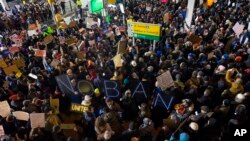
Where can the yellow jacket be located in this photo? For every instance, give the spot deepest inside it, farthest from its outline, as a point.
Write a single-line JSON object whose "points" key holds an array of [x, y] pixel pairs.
{"points": [[235, 88]]}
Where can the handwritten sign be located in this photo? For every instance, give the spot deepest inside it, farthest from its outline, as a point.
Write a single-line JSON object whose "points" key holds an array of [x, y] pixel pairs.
{"points": [[40, 53], [122, 46], [78, 108], [54, 103], [20, 115], [48, 39], [54, 63], [67, 126], [81, 55], [238, 29], [4, 108], [11, 70], [19, 63], [165, 80], [117, 60], [37, 120], [3, 64], [14, 49]]}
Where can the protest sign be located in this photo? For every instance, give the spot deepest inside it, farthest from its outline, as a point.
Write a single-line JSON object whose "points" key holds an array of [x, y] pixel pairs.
{"points": [[37, 120], [48, 39], [194, 39], [112, 89], [91, 42], [40, 53], [163, 100], [165, 80], [67, 126], [73, 24], [2, 133], [85, 87], [54, 104], [3, 64], [122, 46], [32, 32], [189, 15], [54, 63], [21, 115], [78, 108], [19, 62], [140, 90], [64, 84], [14, 49], [18, 74], [238, 29], [32, 27], [81, 55], [11, 70], [71, 41], [4, 108], [117, 60]]}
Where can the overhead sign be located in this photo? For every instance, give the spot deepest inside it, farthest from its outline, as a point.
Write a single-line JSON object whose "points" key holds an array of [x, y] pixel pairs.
{"points": [[144, 30]]}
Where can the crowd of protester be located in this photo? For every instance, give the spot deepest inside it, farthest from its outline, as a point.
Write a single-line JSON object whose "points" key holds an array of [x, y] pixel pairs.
{"points": [[211, 93]]}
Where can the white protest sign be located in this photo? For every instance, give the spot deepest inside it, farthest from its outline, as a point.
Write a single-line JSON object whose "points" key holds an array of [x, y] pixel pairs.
{"points": [[4, 108], [37, 120], [189, 16], [165, 80], [20, 115], [238, 29]]}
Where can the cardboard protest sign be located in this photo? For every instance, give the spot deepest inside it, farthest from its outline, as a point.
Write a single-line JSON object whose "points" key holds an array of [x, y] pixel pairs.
{"points": [[163, 100], [210, 55], [73, 24], [64, 84], [122, 47], [81, 55], [194, 39], [67, 126], [78, 108], [40, 53], [63, 25], [11, 70], [54, 104], [21, 115], [14, 49], [91, 42], [4, 108], [118, 60], [19, 62], [37, 120], [6, 84], [165, 80], [3, 64], [32, 27], [238, 29], [48, 39], [2, 133], [54, 63], [71, 41]]}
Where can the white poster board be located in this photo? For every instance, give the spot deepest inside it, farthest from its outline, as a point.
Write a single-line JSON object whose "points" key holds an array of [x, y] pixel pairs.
{"points": [[20, 115], [37, 120], [165, 80], [4, 108]]}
